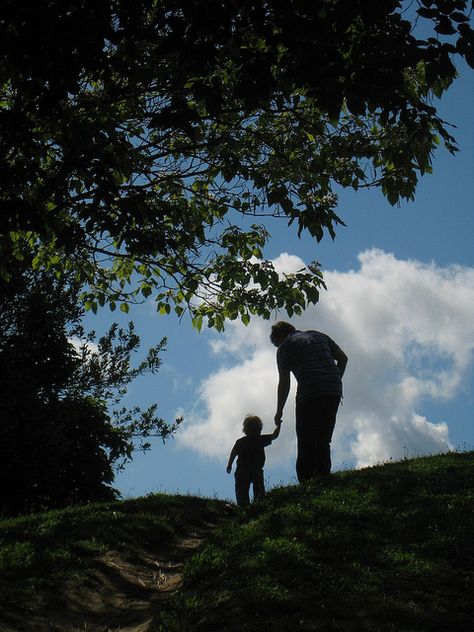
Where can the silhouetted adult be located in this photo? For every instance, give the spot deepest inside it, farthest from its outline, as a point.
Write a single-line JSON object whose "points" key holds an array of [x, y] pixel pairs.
{"points": [[318, 365]]}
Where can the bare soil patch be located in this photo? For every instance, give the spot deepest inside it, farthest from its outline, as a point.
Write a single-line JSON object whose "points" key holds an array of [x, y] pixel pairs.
{"points": [[121, 595]]}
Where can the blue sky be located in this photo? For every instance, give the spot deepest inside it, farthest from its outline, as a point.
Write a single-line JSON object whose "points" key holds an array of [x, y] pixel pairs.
{"points": [[400, 301]]}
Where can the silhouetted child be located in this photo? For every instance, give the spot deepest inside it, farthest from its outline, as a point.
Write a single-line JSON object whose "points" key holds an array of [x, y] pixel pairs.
{"points": [[250, 451]]}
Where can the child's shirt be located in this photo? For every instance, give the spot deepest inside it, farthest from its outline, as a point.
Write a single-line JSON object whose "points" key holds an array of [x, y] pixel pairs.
{"points": [[250, 451]]}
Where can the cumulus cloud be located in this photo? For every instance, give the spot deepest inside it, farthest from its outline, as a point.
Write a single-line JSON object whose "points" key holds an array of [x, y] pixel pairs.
{"points": [[79, 344], [408, 329]]}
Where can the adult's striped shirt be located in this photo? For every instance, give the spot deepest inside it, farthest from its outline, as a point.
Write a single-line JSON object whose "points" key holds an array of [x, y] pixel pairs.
{"points": [[309, 355]]}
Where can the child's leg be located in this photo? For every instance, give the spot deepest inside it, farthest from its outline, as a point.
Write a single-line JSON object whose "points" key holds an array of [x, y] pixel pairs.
{"points": [[258, 486], [242, 487]]}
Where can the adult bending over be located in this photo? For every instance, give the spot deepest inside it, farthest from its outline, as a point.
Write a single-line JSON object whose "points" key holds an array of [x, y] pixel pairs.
{"points": [[318, 365]]}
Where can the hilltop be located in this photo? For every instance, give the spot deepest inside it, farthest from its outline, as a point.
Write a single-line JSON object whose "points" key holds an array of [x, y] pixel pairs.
{"points": [[383, 548]]}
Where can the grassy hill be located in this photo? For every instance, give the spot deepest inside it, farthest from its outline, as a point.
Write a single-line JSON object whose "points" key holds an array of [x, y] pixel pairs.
{"points": [[388, 548]]}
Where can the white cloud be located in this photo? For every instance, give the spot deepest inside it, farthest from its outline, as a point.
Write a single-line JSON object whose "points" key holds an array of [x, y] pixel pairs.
{"points": [[79, 344], [408, 329]]}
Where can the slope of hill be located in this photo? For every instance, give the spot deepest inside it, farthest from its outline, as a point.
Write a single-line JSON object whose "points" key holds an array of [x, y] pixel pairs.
{"points": [[384, 548], [388, 548]]}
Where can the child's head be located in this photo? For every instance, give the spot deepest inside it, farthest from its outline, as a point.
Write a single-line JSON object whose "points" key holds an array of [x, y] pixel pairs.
{"points": [[252, 425]]}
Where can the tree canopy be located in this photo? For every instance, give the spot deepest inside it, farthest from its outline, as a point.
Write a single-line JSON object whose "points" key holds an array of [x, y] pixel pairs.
{"points": [[144, 144]]}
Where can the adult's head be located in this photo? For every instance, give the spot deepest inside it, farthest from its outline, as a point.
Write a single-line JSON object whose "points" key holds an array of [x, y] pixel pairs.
{"points": [[252, 425], [280, 332]]}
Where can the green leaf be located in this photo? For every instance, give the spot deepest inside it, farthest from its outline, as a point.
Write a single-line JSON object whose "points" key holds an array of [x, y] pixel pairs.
{"points": [[197, 322], [146, 290]]}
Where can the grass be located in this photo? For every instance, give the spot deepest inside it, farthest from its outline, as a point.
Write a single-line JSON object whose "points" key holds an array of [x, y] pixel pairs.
{"points": [[384, 548], [387, 548]]}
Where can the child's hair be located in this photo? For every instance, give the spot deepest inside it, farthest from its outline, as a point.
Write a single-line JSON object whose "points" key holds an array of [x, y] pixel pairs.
{"points": [[252, 425]]}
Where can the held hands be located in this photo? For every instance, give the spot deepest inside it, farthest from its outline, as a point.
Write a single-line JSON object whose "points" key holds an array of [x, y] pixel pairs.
{"points": [[276, 432]]}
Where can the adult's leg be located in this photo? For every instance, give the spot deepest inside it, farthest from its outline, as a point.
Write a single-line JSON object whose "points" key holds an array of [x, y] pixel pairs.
{"points": [[327, 410], [258, 486], [315, 421], [306, 440], [242, 487]]}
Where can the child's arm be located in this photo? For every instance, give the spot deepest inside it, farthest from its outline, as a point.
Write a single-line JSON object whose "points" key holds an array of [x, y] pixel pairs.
{"points": [[232, 456]]}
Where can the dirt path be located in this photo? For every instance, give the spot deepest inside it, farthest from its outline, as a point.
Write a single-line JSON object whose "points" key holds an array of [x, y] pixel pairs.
{"points": [[120, 596]]}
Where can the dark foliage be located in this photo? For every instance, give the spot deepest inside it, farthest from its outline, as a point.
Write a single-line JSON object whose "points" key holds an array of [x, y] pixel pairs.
{"points": [[140, 140], [60, 437]]}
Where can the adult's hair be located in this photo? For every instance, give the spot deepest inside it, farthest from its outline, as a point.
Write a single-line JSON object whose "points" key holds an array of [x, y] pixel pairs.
{"points": [[252, 425], [281, 330]]}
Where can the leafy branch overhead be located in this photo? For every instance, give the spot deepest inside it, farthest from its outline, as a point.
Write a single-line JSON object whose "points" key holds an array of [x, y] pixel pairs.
{"points": [[145, 144]]}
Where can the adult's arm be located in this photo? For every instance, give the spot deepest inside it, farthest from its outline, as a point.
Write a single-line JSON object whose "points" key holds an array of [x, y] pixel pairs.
{"points": [[282, 393], [276, 432], [341, 360]]}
